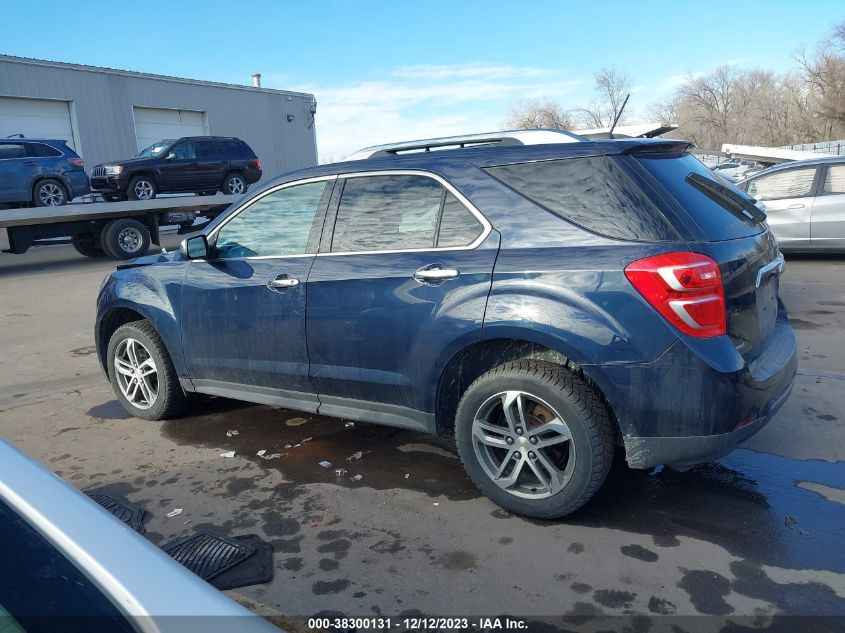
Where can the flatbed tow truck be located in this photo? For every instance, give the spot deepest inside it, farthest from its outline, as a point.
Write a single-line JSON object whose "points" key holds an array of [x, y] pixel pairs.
{"points": [[121, 230]]}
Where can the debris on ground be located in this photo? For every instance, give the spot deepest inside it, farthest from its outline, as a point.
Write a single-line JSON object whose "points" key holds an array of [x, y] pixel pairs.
{"points": [[357, 477], [341, 472], [186, 522], [407, 475], [307, 439], [263, 454], [355, 456], [296, 422], [175, 512], [325, 464], [349, 425], [232, 432], [435, 504], [228, 454]]}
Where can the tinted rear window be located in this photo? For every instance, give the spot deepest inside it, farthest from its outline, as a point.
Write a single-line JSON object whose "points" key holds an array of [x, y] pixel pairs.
{"points": [[717, 221], [591, 192], [42, 150]]}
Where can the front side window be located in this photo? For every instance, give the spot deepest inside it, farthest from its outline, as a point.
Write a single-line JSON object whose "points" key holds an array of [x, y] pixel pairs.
{"points": [[834, 182], [789, 183], [155, 149], [12, 150], [277, 224], [182, 151]]}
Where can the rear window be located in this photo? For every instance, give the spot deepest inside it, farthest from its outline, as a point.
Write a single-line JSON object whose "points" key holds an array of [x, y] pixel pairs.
{"points": [[717, 218], [12, 150], [591, 192]]}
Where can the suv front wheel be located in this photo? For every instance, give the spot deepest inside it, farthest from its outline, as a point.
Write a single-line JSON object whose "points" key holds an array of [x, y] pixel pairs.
{"points": [[535, 438], [142, 374], [142, 188]]}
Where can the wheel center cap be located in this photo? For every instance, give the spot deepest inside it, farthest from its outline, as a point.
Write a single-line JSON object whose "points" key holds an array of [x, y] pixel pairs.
{"points": [[522, 442]]}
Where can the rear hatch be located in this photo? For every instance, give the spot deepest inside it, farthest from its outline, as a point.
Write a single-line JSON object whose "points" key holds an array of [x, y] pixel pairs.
{"points": [[727, 226]]}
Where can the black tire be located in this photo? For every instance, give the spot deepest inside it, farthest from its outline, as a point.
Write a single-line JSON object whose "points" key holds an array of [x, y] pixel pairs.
{"points": [[125, 238], [87, 244], [206, 193], [113, 197], [49, 193], [142, 187], [234, 184], [170, 400], [571, 398]]}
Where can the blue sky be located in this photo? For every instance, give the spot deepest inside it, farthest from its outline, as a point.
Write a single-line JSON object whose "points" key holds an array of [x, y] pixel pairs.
{"points": [[385, 71]]}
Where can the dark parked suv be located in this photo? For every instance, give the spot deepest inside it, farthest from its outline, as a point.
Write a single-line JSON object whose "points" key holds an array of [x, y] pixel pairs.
{"points": [[200, 164], [544, 298], [41, 172]]}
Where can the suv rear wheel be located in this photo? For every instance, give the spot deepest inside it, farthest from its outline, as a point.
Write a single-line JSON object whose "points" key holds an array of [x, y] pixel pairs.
{"points": [[87, 244], [142, 188], [49, 193], [535, 438], [234, 184], [142, 374]]}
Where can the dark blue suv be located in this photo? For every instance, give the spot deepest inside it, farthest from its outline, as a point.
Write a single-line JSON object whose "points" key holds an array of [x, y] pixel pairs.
{"points": [[41, 172], [544, 298]]}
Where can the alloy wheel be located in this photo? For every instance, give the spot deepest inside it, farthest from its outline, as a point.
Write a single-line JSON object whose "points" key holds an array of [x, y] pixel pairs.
{"points": [[136, 373], [237, 185], [51, 195], [524, 446], [143, 190]]}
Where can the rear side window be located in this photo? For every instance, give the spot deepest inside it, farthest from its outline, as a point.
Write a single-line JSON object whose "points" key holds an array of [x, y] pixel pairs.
{"points": [[591, 192], [717, 217], [400, 213], [834, 182], [236, 150], [788, 183], [12, 150], [42, 150]]}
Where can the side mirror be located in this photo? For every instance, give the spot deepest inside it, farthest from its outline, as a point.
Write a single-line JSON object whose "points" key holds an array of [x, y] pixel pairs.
{"points": [[170, 156], [195, 247]]}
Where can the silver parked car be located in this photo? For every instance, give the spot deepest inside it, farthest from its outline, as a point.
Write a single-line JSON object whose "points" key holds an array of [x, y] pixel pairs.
{"points": [[805, 202]]}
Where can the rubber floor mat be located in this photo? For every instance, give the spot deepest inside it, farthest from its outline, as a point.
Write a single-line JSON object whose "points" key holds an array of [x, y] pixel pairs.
{"points": [[208, 555], [129, 513], [255, 570]]}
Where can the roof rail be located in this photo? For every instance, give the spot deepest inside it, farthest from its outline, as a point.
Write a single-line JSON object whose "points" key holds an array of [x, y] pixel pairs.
{"points": [[507, 137]]}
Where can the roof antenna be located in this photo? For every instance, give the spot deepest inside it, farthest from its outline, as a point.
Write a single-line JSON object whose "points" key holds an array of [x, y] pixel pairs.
{"points": [[618, 115]]}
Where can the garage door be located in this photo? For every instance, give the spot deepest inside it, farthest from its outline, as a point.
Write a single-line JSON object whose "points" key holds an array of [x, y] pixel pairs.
{"points": [[155, 124], [36, 118]]}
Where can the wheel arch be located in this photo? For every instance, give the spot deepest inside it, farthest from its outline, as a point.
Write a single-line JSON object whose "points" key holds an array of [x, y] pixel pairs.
{"points": [[465, 366], [41, 178]]}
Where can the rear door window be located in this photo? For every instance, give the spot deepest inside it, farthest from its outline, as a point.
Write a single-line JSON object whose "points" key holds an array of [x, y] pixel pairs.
{"points": [[787, 183], [591, 192], [721, 211], [206, 150], [458, 226]]}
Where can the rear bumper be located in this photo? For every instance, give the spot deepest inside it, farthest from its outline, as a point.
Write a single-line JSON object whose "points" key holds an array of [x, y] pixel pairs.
{"points": [[683, 452], [77, 183], [696, 403], [252, 176]]}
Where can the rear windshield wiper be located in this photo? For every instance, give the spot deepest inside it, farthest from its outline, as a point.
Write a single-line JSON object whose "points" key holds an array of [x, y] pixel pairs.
{"points": [[725, 197]]}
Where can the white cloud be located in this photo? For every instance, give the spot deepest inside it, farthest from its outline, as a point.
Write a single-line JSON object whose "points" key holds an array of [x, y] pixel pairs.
{"points": [[426, 101]]}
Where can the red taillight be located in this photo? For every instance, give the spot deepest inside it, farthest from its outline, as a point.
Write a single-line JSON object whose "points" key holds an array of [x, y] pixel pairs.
{"points": [[76, 161], [256, 163], [686, 288]]}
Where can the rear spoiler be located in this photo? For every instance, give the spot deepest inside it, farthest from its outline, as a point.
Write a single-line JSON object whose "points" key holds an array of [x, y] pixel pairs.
{"points": [[661, 149]]}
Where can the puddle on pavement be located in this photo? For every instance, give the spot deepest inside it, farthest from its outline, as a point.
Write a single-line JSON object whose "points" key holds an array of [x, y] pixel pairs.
{"points": [[750, 503], [388, 454]]}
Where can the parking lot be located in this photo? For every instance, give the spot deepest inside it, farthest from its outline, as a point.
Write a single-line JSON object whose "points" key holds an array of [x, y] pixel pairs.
{"points": [[756, 534]]}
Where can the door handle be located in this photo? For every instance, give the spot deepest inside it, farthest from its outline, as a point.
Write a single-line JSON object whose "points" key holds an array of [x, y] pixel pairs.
{"points": [[795, 206], [29, 163], [282, 281], [435, 272]]}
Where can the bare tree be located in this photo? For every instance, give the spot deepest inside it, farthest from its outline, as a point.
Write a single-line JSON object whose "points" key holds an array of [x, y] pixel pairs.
{"points": [[824, 74], [611, 87], [537, 113]]}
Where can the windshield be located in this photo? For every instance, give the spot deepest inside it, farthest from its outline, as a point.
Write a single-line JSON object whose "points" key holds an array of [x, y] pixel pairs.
{"points": [[155, 149]]}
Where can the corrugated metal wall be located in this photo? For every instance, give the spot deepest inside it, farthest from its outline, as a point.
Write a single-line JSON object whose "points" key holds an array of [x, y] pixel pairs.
{"points": [[101, 105]]}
